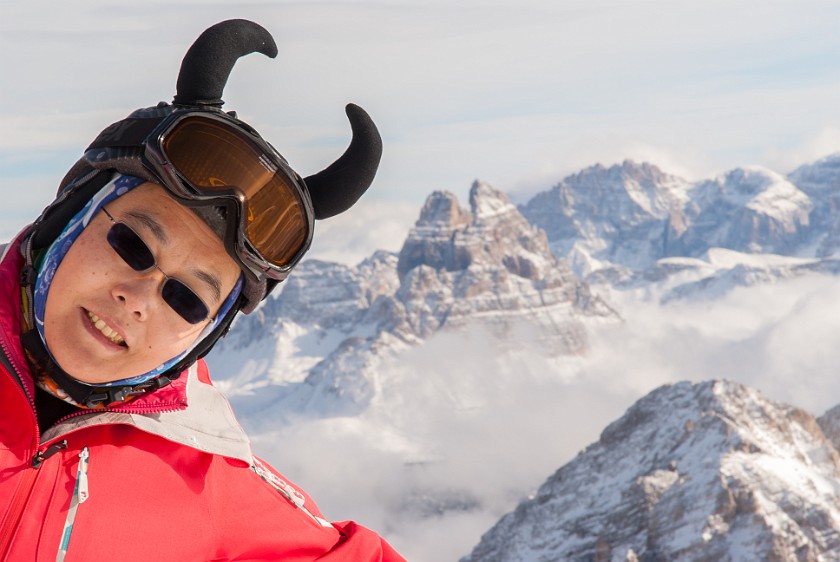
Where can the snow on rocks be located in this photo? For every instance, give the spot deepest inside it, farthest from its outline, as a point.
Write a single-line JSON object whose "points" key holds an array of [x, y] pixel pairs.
{"points": [[709, 471]]}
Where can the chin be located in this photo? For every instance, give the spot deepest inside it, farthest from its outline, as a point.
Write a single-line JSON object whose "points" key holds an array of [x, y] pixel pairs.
{"points": [[90, 374]]}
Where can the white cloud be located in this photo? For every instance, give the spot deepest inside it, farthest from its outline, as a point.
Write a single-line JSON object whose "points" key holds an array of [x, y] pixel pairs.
{"points": [[823, 142], [460, 422], [458, 425]]}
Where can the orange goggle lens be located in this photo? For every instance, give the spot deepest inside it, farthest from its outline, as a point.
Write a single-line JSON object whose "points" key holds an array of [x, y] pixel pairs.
{"points": [[211, 156]]}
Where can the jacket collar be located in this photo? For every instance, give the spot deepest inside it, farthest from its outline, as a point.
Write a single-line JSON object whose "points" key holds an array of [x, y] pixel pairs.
{"points": [[208, 425]]}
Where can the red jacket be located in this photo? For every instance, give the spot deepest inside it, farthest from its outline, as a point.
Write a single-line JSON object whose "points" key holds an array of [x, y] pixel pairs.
{"points": [[169, 476]]}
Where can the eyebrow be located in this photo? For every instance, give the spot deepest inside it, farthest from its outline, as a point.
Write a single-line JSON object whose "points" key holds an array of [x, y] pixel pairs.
{"points": [[150, 223], [211, 280], [153, 226]]}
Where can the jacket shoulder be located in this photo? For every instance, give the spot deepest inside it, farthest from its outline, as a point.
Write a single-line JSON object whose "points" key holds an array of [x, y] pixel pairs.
{"points": [[284, 521]]}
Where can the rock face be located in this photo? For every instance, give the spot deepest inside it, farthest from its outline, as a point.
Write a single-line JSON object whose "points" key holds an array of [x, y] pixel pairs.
{"points": [[821, 182], [485, 265], [617, 215], [634, 214], [750, 210], [710, 471], [457, 266], [625, 225]]}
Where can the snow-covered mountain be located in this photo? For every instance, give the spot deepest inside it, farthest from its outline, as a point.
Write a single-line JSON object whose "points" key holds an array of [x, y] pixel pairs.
{"points": [[821, 182], [615, 215], [710, 471], [315, 348], [751, 210], [634, 226]]}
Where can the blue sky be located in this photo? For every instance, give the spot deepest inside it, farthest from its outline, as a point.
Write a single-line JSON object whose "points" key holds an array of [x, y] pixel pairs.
{"points": [[518, 94]]}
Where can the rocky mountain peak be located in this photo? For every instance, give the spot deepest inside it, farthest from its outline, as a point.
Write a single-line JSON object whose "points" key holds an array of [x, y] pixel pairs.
{"points": [[751, 210], [489, 204], [820, 178], [709, 471], [450, 239], [441, 210], [642, 171], [629, 216], [497, 263], [749, 185], [618, 175]]}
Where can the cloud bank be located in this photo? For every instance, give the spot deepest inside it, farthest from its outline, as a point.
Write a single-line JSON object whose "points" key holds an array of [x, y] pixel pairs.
{"points": [[464, 430]]}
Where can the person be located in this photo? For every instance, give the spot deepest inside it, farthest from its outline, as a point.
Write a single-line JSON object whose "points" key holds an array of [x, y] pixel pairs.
{"points": [[115, 443]]}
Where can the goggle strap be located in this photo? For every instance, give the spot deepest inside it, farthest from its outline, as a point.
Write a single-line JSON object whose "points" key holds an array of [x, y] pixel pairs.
{"points": [[130, 132]]}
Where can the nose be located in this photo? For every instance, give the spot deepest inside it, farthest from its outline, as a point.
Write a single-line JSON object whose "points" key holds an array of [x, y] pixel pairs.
{"points": [[140, 294]]}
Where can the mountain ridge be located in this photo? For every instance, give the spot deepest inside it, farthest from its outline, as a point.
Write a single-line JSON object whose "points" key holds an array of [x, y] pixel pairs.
{"points": [[484, 265], [707, 471]]}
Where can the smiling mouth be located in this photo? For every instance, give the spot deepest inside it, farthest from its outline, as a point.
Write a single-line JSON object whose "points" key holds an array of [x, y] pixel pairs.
{"points": [[105, 330]]}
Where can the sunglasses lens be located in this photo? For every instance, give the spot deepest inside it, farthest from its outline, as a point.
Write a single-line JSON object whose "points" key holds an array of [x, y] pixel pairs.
{"points": [[130, 247], [184, 301], [212, 156]]}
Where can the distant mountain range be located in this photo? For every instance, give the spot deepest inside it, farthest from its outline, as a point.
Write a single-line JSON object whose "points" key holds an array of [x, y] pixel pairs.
{"points": [[634, 214], [633, 225], [315, 347]]}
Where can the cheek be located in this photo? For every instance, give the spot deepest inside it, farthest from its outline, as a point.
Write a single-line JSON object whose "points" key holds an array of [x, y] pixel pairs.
{"points": [[169, 342], [71, 279], [85, 264]]}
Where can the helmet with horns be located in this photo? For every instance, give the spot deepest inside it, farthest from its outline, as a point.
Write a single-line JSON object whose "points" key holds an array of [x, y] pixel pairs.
{"points": [[205, 69], [137, 146]]}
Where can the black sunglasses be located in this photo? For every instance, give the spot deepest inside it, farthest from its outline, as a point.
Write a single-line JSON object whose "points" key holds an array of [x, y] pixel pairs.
{"points": [[131, 248]]}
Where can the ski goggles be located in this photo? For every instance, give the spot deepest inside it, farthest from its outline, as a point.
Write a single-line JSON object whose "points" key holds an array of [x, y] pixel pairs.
{"points": [[207, 157], [136, 253]]}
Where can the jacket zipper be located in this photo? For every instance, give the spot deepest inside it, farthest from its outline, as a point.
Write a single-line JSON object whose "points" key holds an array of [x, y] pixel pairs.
{"points": [[41, 456], [286, 490], [135, 410]]}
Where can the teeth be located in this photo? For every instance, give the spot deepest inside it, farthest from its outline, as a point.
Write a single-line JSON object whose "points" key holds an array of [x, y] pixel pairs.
{"points": [[105, 329]]}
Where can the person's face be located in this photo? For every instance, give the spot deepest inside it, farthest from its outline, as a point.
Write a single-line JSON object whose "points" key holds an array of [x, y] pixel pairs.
{"points": [[94, 284]]}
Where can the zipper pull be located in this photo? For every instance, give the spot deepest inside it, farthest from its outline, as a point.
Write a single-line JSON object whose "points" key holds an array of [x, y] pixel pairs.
{"points": [[41, 456], [83, 493], [80, 494]]}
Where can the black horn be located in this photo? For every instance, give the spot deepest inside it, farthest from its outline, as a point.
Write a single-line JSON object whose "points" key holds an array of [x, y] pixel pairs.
{"points": [[336, 188], [208, 63]]}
